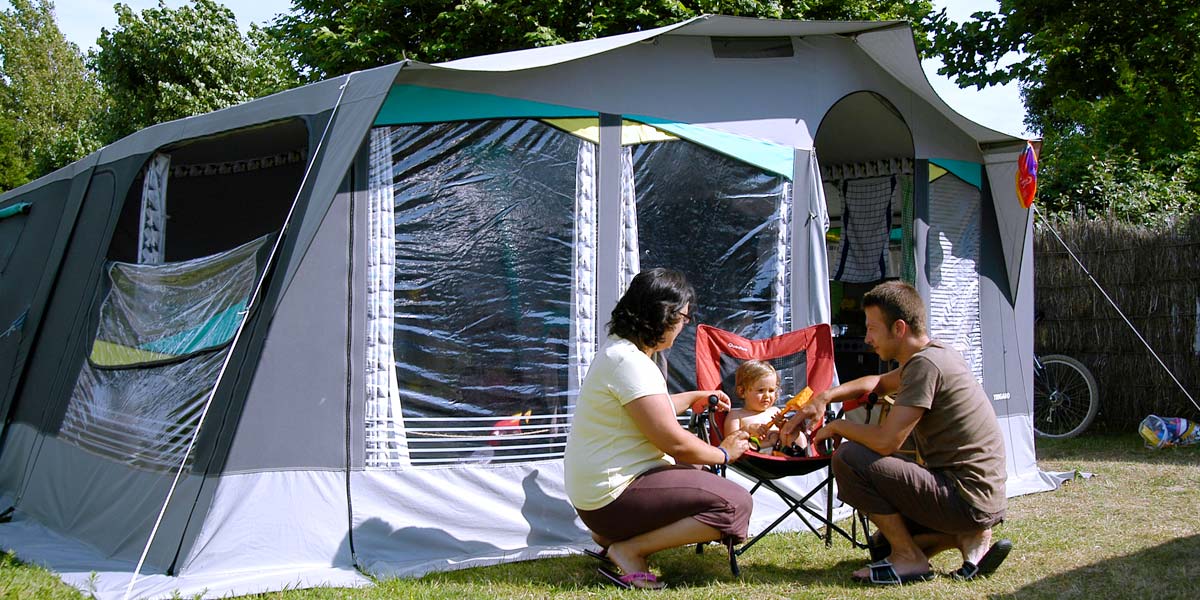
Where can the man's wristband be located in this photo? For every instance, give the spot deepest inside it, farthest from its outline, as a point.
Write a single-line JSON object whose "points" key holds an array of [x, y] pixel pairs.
{"points": [[725, 453]]}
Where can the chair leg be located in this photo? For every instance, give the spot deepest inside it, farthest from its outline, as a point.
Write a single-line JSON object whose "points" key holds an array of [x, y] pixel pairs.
{"points": [[700, 548], [733, 564]]}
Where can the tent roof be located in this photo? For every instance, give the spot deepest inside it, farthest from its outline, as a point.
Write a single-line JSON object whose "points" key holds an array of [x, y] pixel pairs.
{"points": [[888, 43]]}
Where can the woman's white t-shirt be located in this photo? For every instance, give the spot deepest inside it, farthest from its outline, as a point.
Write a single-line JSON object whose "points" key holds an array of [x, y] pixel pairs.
{"points": [[605, 450]]}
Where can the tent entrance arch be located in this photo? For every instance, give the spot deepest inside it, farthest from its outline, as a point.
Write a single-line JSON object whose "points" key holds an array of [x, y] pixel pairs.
{"points": [[867, 155]]}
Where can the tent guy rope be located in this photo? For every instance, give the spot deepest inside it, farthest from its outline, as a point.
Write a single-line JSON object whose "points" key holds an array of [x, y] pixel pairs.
{"points": [[1050, 227]]}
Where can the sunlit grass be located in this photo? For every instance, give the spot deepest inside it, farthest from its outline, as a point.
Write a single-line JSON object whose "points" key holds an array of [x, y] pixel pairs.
{"points": [[1131, 530]]}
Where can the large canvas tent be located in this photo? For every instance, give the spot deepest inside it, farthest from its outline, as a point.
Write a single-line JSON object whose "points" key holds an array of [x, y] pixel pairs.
{"points": [[338, 330]]}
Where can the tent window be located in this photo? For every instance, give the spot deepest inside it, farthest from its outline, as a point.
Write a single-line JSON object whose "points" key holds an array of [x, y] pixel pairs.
{"points": [[162, 337], [484, 227], [725, 224], [952, 256]]}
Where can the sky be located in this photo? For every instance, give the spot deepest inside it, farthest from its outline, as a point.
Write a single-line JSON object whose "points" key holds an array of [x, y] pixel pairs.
{"points": [[998, 107]]}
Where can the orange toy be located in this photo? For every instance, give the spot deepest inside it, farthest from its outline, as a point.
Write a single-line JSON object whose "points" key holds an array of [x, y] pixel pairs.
{"points": [[794, 404]]}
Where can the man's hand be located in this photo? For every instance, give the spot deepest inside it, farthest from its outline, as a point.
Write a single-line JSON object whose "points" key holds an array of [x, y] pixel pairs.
{"points": [[811, 411], [825, 433]]}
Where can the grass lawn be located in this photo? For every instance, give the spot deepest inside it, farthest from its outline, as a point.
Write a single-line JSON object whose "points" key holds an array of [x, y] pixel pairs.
{"points": [[1131, 531]]}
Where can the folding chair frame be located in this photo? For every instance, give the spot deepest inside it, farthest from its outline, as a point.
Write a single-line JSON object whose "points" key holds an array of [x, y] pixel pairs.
{"points": [[817, 343]]}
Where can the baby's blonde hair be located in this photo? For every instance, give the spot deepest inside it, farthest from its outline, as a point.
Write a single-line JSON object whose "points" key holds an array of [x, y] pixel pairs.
{"points": [[751, 371]]}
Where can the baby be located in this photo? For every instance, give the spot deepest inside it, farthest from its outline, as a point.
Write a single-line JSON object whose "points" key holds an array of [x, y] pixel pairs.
{"points": [[757, 385]]}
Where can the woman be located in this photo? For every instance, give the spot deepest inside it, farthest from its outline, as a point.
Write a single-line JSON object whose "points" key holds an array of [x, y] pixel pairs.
{"points": [[621, 459]]}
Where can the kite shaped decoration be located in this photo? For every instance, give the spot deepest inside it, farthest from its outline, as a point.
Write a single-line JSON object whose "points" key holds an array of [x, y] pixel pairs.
{"points": [[1027, 176]]}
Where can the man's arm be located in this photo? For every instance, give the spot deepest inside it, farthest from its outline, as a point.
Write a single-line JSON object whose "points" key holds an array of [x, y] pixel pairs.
{"points": [[884, 438], [815, 408]]}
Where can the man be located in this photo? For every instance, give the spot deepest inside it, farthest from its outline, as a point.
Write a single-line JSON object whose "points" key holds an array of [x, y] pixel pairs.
{"points": [[954, 493]]}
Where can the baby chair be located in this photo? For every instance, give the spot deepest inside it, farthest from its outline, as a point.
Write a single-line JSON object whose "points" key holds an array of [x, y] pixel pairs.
{"points": [[802, 358]]}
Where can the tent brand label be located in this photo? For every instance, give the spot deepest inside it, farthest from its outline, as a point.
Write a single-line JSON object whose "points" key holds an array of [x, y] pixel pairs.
{"points": [[1001, 396], [737, 347]]}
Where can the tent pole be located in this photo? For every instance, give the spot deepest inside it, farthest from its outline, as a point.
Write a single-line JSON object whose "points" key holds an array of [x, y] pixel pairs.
{"points": [[250, 306]]}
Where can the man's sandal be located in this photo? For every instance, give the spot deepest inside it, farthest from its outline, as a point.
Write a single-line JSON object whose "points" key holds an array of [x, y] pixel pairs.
{"points": [[883, 573], [991, 561]]}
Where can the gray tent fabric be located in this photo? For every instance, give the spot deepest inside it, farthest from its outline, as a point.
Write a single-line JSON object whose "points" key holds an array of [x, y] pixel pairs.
{"points": [[508, 160]]}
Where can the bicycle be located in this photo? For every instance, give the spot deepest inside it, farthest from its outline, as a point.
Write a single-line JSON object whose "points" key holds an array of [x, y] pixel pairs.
{"points": [[1065, 397]]}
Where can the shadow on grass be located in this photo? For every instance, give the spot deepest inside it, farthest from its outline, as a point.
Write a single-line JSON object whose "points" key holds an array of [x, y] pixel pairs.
{"points": [[1163, 571], [1114, 447]]}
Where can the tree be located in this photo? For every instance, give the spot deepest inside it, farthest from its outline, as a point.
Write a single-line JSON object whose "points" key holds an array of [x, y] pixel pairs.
{"points": [[48, 99], [1113, 86], [328, 37], [163, 64]]}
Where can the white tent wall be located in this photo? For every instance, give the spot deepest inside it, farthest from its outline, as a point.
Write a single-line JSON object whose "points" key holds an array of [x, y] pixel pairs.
{"points": [[773, 98]]}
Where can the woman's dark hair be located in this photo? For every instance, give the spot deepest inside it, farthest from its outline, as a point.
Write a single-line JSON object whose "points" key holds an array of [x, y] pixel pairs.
{"points": [[651, 306]]}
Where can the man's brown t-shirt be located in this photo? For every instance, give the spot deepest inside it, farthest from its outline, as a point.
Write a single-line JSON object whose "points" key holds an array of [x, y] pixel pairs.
{"points": [[958, 435]]}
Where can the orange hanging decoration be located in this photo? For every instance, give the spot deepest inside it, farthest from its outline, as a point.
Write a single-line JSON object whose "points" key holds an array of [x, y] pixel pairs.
{"points": [[1027, 165]]}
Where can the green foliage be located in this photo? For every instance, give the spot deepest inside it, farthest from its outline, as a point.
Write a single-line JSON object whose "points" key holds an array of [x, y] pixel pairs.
{"points": [[1112, 85], [47, 96], [328, 37], [163, 64]]}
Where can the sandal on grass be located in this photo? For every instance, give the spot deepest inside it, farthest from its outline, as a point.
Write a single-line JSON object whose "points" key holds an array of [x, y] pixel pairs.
{"points": [[601, 555], [633, 581], [883, 573], [991, 561]]}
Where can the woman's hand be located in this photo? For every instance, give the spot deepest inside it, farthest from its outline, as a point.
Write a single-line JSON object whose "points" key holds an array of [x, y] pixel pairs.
{"points": [[736, 444], [723, 403], [699, 401]]}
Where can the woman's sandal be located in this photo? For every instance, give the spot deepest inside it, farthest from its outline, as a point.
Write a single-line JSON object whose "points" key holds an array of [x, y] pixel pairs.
{"points": [[601, 556], [633, 581]]}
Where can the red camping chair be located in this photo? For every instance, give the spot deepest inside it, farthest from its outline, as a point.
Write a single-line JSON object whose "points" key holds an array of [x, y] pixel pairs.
{"points": [[802, 358]]}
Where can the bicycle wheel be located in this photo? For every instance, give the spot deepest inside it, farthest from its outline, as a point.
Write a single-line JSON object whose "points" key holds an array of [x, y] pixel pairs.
{"points": [[1065, 397]]}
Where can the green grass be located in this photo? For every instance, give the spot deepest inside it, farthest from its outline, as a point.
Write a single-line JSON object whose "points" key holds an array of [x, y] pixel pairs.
{"points": [[1132, 530]]}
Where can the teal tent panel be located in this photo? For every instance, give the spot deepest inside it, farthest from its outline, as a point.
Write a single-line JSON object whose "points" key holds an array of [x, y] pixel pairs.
{"points": [[19, 208], [774, 158], [969, 172], [406, 104], [216, 331]]}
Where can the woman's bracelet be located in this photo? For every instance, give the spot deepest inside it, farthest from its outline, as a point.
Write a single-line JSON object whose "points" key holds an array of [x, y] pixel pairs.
{"points": [[725, 453]]}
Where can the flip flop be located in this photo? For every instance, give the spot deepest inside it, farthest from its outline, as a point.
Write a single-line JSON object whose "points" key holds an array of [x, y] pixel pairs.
{"points": [[601, 556], [633, 581], [883, 573], [992, 559]]}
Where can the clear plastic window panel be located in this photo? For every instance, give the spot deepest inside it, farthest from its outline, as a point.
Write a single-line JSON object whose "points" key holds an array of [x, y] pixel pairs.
{"points": [[484, 227], [162, 337], [723, 223]]}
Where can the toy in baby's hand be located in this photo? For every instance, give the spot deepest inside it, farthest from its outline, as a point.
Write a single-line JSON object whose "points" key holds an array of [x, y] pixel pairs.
{"points": [[792, 405]]}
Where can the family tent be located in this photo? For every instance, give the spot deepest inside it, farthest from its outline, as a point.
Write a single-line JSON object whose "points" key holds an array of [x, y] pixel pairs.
{"points": [[338, 331]]}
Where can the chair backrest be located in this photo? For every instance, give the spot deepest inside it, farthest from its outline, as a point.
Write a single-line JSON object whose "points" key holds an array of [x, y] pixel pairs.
{"points": [[803, 358]]}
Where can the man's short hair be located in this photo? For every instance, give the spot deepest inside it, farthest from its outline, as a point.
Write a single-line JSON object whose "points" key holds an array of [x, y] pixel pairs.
{"points": [[898, 300]]}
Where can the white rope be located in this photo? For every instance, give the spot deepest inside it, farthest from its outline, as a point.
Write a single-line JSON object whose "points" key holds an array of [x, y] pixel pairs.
{"points": [[1046, 222], [233, 344]]}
